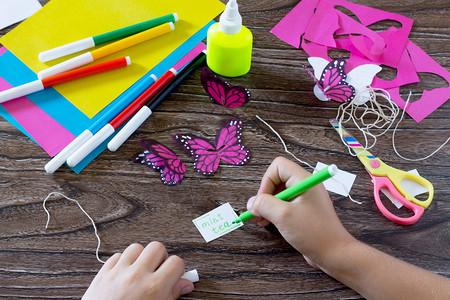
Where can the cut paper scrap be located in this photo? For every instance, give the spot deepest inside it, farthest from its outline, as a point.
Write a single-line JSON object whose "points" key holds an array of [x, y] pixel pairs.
{"points": [[412, 187], [217, 222], [341, 183], [317, 21], [55, 105], [430, 100], [65, 21], [221, 92], [13, 11], [227, 147], [160, 158]]}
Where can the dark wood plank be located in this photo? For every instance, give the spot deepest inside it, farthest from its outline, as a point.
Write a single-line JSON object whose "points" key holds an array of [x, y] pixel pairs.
{"points": [[129, 205]]}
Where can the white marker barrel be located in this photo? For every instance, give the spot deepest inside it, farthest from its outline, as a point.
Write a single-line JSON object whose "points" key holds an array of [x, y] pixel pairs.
{"points": [[67, 65], [66, 49], [90, 145], [132, 125], [61, 157], [21, 90], [191, 275]]}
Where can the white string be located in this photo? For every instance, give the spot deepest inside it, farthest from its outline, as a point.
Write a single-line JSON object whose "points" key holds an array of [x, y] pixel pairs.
{"points": [[393, 139], [385, 115], [79, 205], [304, 162]]}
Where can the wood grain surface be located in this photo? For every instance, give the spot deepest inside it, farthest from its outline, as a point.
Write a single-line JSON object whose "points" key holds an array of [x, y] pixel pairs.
{"points": [[129, 204]]}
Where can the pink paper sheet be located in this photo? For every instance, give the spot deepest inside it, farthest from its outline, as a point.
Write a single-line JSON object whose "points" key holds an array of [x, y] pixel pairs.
{"points": [[321, 25], [430, 100], [35, 121]]}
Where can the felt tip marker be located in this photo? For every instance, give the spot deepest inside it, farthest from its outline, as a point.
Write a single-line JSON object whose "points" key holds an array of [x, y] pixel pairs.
{"points": [[39, 85], [94, 41], [122, 102], [145, 112], [109, 129], [117, 46], [297, 189]]}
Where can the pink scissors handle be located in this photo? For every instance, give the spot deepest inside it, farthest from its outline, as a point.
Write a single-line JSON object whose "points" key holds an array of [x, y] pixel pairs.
{"points": [[384, 182]]}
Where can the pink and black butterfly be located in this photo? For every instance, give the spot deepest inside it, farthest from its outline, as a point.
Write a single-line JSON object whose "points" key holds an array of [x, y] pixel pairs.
{"points": [[221, 92], [160, 158], [227, 147], [332, 83]]}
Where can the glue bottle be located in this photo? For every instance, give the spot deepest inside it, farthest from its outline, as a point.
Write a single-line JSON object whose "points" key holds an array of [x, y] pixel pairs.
{"points": [[229, 44]]}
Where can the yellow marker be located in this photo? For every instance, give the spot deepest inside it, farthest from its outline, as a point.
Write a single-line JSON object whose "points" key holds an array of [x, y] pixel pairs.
{"points": [[122, 44]]}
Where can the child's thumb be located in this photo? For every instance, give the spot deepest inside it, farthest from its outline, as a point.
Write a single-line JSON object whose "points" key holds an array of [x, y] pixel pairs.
{"points": [[182, 287], [268, 207]]}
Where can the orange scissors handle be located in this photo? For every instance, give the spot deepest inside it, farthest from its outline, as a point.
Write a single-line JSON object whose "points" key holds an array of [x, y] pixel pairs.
{"points": [[378, 168]]}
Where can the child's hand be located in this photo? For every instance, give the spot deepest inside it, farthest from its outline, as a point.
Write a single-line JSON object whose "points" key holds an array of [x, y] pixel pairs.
{"points": [[309, 222], [140, 273]]}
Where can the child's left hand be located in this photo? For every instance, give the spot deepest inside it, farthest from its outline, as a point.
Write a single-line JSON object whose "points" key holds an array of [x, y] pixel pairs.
{"points": [[140, 273]]}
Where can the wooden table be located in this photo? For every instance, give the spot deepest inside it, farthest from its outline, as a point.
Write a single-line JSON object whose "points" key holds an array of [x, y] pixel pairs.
{"points": [[129, 204]]}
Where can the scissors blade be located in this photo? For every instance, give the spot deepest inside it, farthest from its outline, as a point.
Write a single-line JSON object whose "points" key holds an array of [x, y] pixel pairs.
{"points": [[349, 139]]}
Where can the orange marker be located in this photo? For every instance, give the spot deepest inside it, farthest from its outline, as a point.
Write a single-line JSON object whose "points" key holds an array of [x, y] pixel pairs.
{"points": [[39, 85]]}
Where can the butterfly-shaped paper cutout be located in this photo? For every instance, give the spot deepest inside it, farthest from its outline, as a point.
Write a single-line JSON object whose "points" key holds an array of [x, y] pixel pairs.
{"points": [[358, 78], [160, 158], [227, 147], [331, 84], [221, 92]]}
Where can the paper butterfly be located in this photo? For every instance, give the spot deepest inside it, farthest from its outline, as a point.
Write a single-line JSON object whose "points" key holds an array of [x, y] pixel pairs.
{"points": [[358, 78], [160, 158], [221, 92], [331, 83], [227, 147]]}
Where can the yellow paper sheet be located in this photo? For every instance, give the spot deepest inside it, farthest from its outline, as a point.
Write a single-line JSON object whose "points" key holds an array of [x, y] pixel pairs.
{"points": [[63, 21]]}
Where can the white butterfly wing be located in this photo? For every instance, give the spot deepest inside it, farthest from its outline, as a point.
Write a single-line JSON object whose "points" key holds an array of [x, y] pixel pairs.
{"points": [[318, 65], [361, 77]]}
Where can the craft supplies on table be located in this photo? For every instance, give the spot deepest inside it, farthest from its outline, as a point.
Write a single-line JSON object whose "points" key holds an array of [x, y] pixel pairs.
{"points": [[384, 176]]}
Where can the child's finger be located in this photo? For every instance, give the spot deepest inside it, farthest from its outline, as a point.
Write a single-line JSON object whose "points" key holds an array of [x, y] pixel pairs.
{"points": [[182, 287], [268, 207], [171, 270], [130, 255], [152, 256], [111, 262]]}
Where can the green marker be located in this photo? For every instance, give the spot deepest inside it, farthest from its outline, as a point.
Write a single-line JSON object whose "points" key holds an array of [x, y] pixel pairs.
{"points": [[297, 189], [104, 38]]}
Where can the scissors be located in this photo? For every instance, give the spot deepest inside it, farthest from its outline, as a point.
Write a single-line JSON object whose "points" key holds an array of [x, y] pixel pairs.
{"points": [[384, 176]]}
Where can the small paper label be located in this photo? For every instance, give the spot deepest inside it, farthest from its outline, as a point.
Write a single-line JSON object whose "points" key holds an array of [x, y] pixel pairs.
{"points": [[341, 183], [217, 222]]}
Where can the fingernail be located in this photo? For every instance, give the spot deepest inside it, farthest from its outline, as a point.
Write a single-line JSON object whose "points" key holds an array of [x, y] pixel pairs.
{"points": [[187, 289], [250, 202]]}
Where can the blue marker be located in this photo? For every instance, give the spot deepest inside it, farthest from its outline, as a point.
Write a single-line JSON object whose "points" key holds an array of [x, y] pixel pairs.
{"points": [[127, 98]]}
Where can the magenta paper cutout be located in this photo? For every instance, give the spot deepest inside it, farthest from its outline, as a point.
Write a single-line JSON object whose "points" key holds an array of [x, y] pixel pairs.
{"points": [[189, 56], [332, 84], [159, 158], [430, 100], [3, 50], [36, 122], [221, 92], [227, 147], [321, 25]]}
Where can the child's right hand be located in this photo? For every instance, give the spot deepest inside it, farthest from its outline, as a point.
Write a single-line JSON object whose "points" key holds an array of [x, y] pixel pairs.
{"points": [[308, 222]]}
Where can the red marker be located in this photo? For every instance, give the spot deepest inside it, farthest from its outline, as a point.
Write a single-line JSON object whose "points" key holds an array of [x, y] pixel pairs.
{"points": [[115, 123], [39, 85]]}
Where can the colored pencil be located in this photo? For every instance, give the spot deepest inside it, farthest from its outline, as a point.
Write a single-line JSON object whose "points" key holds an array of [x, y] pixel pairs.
{"points": [[123, 101], [117, 46], [115, 123], [39, 85], [97, 40], [148, 108]]}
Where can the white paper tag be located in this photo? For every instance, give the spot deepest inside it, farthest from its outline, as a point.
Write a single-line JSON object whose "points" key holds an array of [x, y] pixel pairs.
{"points": [[341, 183], [217, 222]]}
